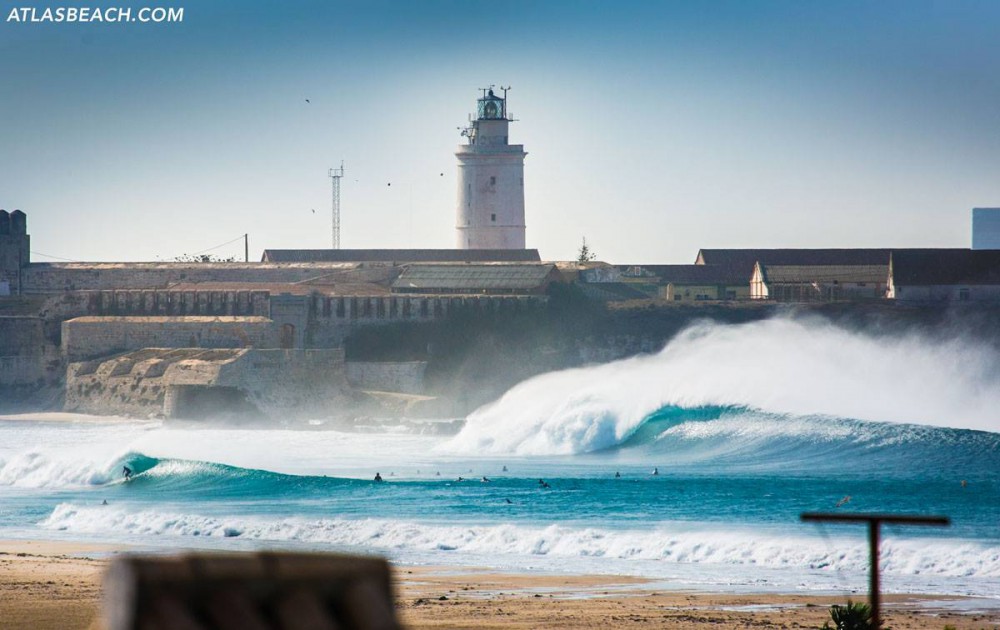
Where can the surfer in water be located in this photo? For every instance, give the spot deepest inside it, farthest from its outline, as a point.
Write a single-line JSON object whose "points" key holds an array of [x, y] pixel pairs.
{"points": [[656, 470], [378, 478], [127, 472]]}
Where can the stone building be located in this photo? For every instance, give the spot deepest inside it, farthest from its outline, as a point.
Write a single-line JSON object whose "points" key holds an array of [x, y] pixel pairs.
{"points": [[685, 283], [818, 283], [507, 279], [15, 250]]}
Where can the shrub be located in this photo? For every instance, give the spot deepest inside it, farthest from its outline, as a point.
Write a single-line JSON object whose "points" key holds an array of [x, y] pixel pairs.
{"points": [[853, 616]]}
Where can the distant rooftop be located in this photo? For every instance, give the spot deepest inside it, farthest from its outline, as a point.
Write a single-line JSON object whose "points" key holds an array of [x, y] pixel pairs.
{"points": [[294, 288], [698, 274], [613, 291], [166, 319], [825, 273], [746, 258], [401, 255], [462, 278], [945, 266]]}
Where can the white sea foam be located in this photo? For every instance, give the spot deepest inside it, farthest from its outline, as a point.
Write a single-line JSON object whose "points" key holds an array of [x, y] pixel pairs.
{"points": [[779, 366], [667, 543], [34, 469]]}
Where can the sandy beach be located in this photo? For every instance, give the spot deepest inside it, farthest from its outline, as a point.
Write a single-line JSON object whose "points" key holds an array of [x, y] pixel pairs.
{"points": [[50, 585]]}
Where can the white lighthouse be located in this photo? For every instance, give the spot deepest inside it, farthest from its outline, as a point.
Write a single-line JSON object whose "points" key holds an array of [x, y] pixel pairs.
{"points": [[490, 180]]}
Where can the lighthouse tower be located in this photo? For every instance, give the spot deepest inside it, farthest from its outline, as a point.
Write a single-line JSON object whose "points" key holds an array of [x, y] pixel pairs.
{"points": [[490, 180]]}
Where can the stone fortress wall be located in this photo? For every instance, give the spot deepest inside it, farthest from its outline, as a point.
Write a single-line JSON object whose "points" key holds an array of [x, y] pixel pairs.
{"points": [[192, 383], [330, 320], [15, 250], [406, 377], [22, 350], [86, 338], [90, 320], [41, 278]]}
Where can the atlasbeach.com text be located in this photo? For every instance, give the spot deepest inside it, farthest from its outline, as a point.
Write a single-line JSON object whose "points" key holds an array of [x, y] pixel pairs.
{"points": [[96, 14]]}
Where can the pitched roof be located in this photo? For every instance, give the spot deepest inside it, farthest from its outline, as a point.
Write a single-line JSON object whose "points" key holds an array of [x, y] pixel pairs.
{"points": [[746, 258], [463, 277], [789, 274], [945, 266], [170, 319], [698, 274], [295, 288], [400, 255], [613, 291]]}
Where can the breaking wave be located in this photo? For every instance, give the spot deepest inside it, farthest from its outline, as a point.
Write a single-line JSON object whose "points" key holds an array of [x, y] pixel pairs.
{"points": [[778, 368], [37, 469], [34, 469]]}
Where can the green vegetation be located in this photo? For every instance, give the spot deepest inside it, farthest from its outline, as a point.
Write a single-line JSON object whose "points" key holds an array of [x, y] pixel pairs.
{"points": [[853, 616], [585, 255]]}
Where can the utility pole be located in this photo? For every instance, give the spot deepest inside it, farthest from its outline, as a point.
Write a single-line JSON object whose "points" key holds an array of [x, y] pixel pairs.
{"points": [[246, 248], [335, 175], [874, 523]]}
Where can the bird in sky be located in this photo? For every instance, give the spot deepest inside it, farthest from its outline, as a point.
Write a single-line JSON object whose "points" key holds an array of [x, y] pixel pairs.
{"points": [[313, 210], [308, 101]]}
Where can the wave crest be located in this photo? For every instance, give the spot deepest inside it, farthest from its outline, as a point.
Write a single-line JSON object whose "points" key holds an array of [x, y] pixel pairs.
{"points": [[779, 366]]}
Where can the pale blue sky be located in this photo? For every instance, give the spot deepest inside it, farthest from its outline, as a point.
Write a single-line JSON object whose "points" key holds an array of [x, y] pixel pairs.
{"points": [[653, 128]]}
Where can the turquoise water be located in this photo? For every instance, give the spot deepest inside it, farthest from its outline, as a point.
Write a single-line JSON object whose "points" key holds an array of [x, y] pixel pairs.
{"points": [[734, 475]]}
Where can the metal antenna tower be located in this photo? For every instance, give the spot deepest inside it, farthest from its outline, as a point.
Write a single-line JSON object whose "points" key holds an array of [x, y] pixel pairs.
{"points": [[335, 176]]}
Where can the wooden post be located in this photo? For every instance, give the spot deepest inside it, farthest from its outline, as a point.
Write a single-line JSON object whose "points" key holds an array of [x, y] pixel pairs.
{"points": [[874, 523]]}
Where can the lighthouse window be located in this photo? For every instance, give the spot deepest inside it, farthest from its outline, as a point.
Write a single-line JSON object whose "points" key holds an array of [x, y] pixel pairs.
{"points": [[493, 180], [493, 218]]}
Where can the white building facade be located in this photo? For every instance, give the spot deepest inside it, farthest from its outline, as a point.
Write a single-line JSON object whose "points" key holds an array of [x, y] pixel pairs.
{"points": [[490, 181]]}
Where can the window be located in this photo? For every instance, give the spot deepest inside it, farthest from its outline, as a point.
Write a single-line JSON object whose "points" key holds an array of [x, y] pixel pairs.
{"points": [[963, 295], [493, 218], [493, 180]]}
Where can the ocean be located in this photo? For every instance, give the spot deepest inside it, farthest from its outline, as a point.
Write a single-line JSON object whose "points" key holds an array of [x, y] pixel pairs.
{"points": [[747, 427]]}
